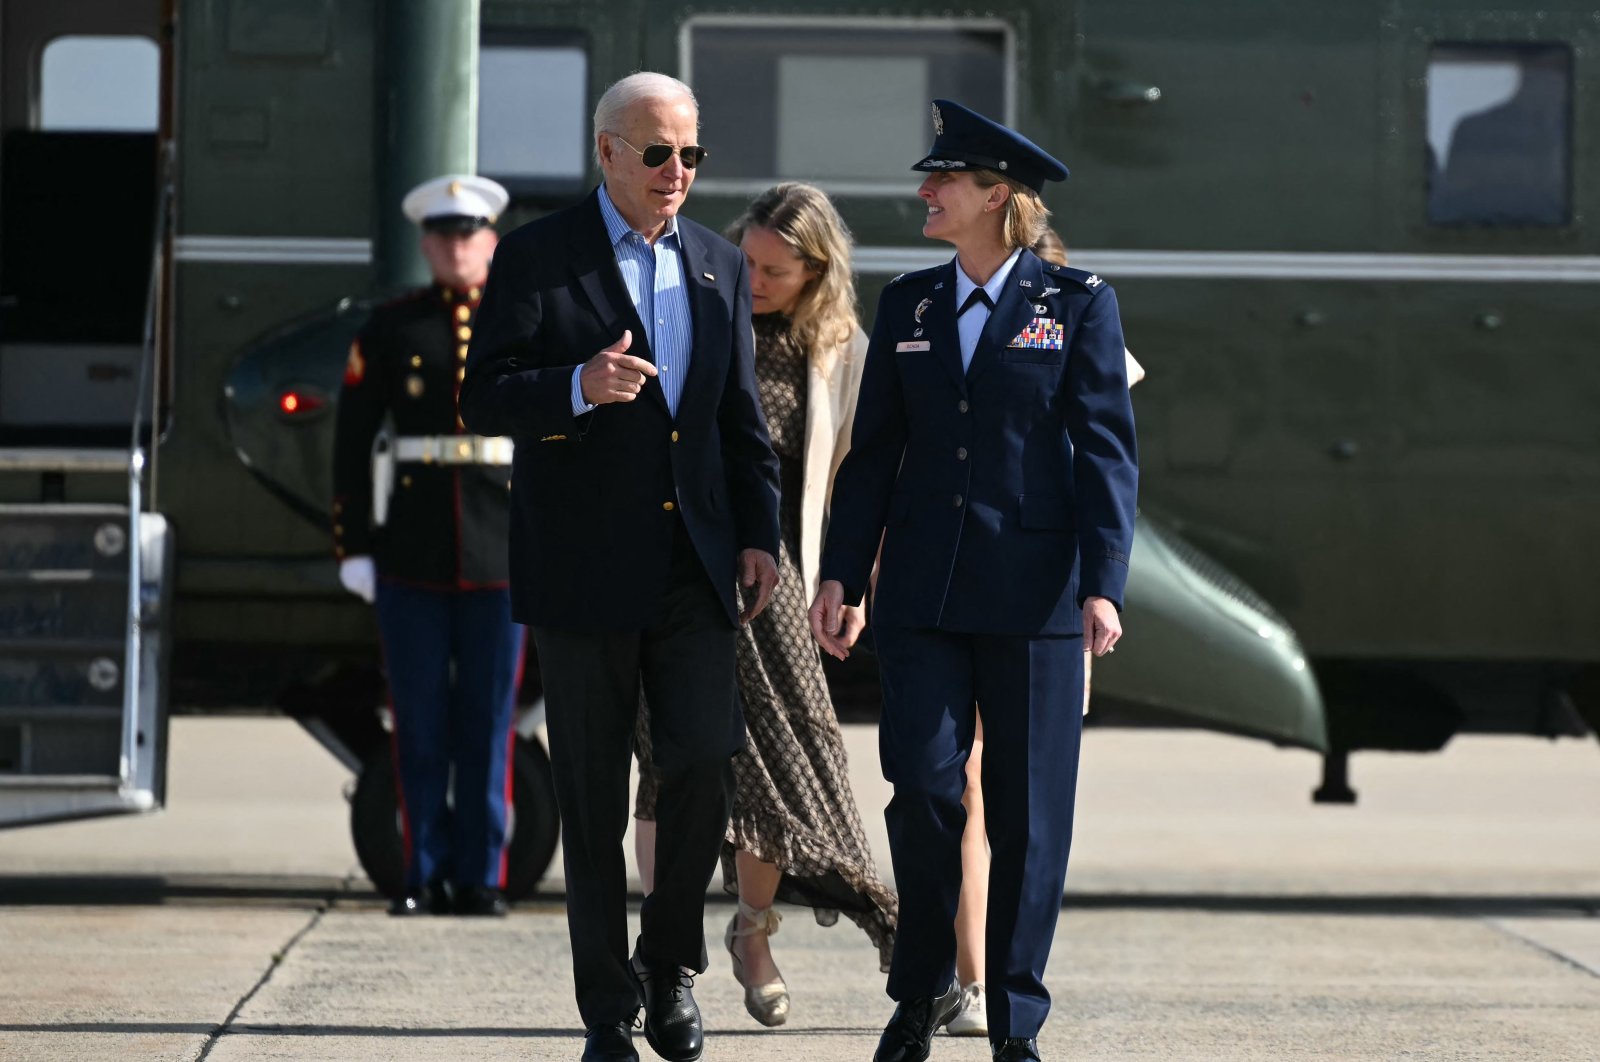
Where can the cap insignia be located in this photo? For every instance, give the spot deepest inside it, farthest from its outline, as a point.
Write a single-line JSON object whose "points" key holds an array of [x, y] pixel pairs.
{"points": [[455, 188], [938, 121]]}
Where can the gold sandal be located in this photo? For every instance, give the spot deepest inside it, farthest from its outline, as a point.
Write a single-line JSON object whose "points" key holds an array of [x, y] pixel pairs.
{"points": [[768, 1003]]}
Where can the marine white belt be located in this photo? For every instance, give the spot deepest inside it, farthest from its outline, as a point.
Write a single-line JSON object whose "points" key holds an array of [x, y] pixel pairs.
{"points": [[453, 449]]}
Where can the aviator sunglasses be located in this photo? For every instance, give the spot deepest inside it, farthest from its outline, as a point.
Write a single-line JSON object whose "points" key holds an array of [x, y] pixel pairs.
{"points": [[656, 155]]}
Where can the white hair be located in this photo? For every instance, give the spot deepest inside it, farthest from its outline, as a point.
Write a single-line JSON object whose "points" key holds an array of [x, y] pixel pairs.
{"points": [[645, 85]]}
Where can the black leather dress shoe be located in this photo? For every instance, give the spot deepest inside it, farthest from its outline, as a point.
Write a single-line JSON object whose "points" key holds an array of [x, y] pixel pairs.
{"points": [[671, 1016], [909, 1033], [481, 901], [610, 1043], [1015, 1050], [430, 899]]}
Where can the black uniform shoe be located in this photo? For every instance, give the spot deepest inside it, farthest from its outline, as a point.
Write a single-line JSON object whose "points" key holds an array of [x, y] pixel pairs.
{"points": [[909, 1033], [481, 901], [1015, 1050], [430, 899], [610, 1043], [671, 1016]]}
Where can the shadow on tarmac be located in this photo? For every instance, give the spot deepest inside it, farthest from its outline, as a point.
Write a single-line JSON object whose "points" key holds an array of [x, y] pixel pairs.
{"points": [[41, 890]]}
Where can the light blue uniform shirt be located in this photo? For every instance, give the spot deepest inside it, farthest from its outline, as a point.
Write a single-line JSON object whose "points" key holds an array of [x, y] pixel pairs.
{"points": [[970, 325], [654, 278]]}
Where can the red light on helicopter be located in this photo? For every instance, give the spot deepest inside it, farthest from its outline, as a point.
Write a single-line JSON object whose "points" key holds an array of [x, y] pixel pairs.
{"points": [[293, 402]]}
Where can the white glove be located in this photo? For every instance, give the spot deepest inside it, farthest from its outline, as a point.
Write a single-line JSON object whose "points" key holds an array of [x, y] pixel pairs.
{"points": [[360, 577]]}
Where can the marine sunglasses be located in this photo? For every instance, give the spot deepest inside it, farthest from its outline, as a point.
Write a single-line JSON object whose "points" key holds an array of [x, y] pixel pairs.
{"points": [[655, 156]]}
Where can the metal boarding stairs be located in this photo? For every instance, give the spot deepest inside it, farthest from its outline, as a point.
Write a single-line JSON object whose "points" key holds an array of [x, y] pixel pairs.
{"points": [[85, 620]]}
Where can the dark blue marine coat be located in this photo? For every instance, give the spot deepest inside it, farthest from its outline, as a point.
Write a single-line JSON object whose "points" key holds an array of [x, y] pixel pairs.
{"points": [[1004, 495]]}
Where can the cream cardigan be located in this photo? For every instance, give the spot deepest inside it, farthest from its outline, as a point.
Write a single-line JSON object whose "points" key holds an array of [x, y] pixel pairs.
{"points": [[830, 412]]}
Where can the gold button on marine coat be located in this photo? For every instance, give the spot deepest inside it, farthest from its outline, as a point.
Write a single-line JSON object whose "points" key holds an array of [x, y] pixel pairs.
{"points": [[674, 436], [416, 361], [463, 333], [461, 352], [668, 506], [463, 314]]}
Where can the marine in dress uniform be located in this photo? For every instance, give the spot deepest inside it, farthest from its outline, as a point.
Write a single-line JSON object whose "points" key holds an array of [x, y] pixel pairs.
{"points": [[436, 568], [994, 456]]}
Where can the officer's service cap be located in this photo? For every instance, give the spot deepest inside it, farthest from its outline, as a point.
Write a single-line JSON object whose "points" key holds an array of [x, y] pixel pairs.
{"points": [[964, 140], [457, 203]]}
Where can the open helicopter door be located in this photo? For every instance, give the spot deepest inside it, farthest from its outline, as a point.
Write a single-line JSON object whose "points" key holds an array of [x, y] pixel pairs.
{"points": [[85, 567]]}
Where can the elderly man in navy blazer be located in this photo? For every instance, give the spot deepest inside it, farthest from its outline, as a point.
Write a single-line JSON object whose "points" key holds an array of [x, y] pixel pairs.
{"points": [[993, 458], [614, 344]]}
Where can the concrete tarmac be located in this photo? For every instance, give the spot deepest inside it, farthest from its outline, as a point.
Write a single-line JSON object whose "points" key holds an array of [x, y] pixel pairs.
{"points": [[1212, 913]]}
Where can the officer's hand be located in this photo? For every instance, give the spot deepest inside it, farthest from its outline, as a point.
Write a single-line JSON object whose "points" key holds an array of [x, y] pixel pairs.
{"points": [[757, 569], [851, 624], [614, 375], [1102, 627], [827, 619], [360, 577]]}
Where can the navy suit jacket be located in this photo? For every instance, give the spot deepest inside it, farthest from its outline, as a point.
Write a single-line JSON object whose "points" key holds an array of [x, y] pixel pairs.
{"points": [[1003, 495], [595, 497]]}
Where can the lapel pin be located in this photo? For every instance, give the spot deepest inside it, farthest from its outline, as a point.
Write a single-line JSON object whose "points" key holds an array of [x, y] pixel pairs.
{"points": [[917, 334], [939, 286], [1049, 292], [1040, 307], [1026, 283], [922, 307]]}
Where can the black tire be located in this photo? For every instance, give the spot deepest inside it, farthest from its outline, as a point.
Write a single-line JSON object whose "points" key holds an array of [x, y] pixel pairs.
{"points": [[535, 826]]}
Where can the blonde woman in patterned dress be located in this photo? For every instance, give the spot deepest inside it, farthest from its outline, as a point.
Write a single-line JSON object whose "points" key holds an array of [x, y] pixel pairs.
{"points": [[795, 834]]}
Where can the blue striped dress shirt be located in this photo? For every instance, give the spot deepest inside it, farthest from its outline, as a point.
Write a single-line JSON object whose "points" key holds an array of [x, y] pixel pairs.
{"points": [[654, 278]]}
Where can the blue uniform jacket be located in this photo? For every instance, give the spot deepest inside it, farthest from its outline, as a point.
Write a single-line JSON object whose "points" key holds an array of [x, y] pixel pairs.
{"points": [[1004, 496]]}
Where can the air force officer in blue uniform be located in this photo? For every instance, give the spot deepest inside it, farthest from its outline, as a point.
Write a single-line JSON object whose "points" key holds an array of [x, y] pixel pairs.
{"points": [[994, 459]]}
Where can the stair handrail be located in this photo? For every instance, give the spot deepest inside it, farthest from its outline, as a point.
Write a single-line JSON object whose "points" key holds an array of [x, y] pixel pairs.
{"points": [[132, 677]]}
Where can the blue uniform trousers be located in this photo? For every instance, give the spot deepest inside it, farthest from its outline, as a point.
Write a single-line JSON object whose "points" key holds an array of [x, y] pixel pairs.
{"points": [[453, 658], [1031, 691]]}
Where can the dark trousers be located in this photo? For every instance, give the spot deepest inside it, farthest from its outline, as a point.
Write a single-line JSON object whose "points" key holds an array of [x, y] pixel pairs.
{"points": [[685, 665], [1031, 690], [452, 658]]}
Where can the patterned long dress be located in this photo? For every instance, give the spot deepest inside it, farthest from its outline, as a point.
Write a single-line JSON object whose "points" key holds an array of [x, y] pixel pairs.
{"points": [[792, 805]]}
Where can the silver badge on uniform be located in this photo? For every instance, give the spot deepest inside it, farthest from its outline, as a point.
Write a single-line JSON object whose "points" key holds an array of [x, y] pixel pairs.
{"points": [[1094, 281], [922, 307], [1040, 308], [1049, 292], [917, 334]]}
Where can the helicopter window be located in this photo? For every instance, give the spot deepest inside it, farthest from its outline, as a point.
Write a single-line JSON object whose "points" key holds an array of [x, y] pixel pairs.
{"points": [[1499, 135], [100, 84], [532, 112], [840, 102]]}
